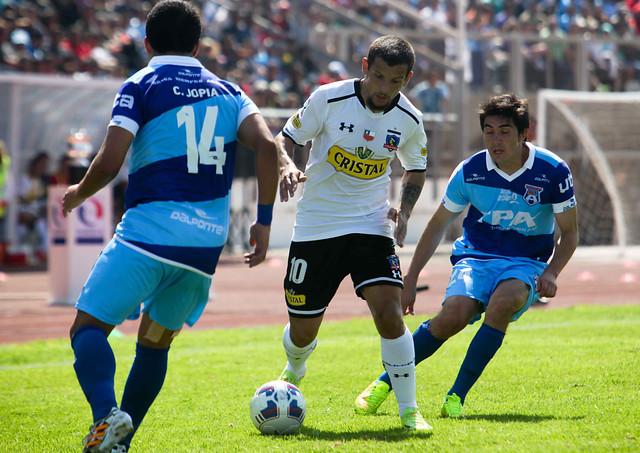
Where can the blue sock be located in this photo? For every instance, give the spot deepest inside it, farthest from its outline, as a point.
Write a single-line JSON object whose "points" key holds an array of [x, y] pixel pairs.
{"points": [[483, 347], [144, 383], [425, 345], [95, 367]]}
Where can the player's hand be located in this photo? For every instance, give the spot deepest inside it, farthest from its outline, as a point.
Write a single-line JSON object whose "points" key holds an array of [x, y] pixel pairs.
{"points": [[401, 220], [290, 176], [547, 284], [71, 200], [408, 297], [259, 239]]}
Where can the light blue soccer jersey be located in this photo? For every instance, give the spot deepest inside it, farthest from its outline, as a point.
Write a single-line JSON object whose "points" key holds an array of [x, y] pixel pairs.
{"points": [[185, 121], [510, 216]]}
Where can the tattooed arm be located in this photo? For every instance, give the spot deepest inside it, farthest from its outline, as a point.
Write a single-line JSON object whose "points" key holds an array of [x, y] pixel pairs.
{"points": [[412, 183]]}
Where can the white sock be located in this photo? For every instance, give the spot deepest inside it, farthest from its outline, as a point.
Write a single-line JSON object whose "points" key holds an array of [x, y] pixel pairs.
{"points": [[398, 357], [297, 357]]}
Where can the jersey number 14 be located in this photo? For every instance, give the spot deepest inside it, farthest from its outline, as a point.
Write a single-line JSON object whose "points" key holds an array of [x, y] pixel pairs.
{"points": [[201, 152]]}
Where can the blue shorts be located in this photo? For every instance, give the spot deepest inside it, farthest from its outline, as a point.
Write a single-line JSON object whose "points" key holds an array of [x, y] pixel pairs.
{"points": [[478, 278], [123, 278]]}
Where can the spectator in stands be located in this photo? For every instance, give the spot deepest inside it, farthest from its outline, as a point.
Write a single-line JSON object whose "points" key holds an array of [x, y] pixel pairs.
{"points": [[603, 56], [5, 163], [430, 95], [32, 208], [335, 71], [61, 176], [561, 54], [94, 39]]}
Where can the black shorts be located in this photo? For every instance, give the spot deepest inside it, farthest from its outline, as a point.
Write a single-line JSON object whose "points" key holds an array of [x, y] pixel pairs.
{"points": [[316, 268]]}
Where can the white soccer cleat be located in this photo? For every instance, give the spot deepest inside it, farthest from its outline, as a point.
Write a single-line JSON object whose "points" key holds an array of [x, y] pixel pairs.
{"points": [[106, 433]]}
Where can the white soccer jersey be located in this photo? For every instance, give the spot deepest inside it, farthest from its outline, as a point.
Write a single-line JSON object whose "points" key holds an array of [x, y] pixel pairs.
{"points": [[350, 160]]}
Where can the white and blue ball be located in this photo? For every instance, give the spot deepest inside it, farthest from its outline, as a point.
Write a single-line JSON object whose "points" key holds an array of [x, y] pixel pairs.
{"points": [[278, 407]]}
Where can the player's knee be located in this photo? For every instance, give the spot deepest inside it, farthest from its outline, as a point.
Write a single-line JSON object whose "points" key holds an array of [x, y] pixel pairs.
{"points": [[302, 333], [389, 321], [504, 305], [154, 335], [446, 324]]}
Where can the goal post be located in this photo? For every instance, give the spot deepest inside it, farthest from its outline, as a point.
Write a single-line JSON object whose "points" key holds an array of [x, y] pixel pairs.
{"points": [[598, 135]]}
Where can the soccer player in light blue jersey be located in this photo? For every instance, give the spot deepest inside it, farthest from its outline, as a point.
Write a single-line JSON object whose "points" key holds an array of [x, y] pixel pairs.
{"points": [[182, 124], [515, 192]]}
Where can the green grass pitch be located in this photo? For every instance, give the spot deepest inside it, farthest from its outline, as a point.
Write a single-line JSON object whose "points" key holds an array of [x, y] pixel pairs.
{"points": [[565, 380]]}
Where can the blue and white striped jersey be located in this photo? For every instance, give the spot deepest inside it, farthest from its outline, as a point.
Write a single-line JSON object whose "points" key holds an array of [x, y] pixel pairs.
{"points": [[185, 122], [510, 216]]}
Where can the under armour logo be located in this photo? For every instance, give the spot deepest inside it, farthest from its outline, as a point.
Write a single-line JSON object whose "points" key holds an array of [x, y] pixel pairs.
{"points": [[344, 126], [406, 375]]}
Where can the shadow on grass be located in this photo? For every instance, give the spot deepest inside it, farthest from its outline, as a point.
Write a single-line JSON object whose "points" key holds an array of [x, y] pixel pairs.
{"points": [[507, 418], [383, 435]]}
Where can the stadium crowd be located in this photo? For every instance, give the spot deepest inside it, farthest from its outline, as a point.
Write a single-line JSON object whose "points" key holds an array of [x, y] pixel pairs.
{"points": [[260, 44]]}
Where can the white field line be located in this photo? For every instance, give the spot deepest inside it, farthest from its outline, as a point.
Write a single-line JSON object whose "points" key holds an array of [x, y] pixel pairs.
{"points": [[192, 351]]}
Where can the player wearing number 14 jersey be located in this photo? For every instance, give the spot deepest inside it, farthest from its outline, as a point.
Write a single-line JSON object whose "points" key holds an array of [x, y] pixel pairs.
{"points": [[182, 124]]}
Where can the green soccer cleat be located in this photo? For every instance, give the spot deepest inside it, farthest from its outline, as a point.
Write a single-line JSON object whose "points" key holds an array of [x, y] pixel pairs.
{"points": [[372, 397], [452, 407], [291, 378], [412, 419]]}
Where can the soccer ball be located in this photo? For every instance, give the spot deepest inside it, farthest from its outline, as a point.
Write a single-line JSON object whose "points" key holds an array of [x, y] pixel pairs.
{"points": [[278, 407]]}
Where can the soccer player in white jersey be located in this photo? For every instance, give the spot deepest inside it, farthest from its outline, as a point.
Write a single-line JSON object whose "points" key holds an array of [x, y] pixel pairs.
{"points": [[515, 190], [182, 123], [344, 223]]}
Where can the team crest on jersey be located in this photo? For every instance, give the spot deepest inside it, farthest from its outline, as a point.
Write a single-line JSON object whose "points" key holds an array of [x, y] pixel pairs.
{"points": [[423, 151], [391, 142], [369, 135], [363, 152], [295, 299], [394, 265], [532, 194], [295, 120], [355, 166]]}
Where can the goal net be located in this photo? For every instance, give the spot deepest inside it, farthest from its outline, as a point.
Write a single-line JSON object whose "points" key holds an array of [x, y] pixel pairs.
{"points": [[598, 135]]}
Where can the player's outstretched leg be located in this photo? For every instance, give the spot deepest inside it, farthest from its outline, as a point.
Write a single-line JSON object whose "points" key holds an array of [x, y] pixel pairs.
{"points": [[483, 347]]}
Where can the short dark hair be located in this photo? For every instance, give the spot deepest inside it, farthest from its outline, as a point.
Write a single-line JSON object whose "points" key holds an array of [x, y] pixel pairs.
{"points": [[173, 26], [394, 50], [507, 105]]}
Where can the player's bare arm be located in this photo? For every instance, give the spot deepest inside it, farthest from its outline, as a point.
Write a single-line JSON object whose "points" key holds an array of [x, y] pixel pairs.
{"points": [[568, 223], [426, 247], [104, 167], [412, 183], [254, 133], [290, 175]]}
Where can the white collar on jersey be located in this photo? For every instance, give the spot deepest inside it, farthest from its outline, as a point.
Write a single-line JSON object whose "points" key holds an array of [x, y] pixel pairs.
{"points": [[176, 60], [491, 165]]}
